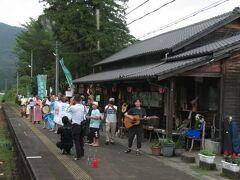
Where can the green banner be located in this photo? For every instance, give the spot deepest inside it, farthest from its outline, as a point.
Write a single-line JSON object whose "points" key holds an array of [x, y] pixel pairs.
{"points": [[66, 72], [42, 85]]}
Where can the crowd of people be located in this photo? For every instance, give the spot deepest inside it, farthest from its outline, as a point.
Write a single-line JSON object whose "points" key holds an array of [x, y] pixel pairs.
{"points": [[76, 117]]}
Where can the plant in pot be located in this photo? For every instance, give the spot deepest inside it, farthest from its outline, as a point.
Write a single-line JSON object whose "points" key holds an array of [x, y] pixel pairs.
{"points": [[207, 156], [231, 162], [179, 149], [168, 147], [156, 148], [180, 146]]}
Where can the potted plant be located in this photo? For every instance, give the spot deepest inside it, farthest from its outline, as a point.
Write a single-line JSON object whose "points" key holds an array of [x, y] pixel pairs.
{"points": [[180, 146], [206, 156], [231, 162], [179, 149], [156, 148], [167, 147]]}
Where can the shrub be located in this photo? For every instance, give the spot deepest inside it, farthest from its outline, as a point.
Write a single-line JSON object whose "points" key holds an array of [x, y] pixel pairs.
{"points": [[168, 141], [156, 144], [207, 152]]}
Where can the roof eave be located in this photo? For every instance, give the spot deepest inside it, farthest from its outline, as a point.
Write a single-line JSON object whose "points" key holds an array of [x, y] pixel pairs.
{"points": [[209, 59], [134, 56], [188, 56], [233, 17]]}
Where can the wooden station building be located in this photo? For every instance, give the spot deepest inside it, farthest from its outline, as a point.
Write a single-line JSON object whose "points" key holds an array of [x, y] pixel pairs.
{"points": [[199, 62]]}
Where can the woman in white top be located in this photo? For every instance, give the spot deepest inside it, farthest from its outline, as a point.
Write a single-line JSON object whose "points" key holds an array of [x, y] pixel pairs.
{"points": [[58, 113]]}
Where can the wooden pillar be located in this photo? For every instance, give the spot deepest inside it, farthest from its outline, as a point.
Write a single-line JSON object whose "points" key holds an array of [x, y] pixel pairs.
{"points": [[170, 102], [221, 107]]}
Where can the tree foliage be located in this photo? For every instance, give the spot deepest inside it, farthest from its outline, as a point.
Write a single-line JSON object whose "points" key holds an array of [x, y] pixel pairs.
{"points": [[73, 24], [41, 43]]}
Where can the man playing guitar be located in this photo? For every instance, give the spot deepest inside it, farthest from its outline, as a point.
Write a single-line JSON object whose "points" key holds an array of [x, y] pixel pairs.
{"points": [[136, 129]]}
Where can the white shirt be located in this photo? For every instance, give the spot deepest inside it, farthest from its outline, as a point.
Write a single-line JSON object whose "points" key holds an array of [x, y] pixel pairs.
{"points": [[31, 104], [63, 109], [77, 113], [23, 101], [57, 112], [111, 115], [68, 113], [57, 107]]}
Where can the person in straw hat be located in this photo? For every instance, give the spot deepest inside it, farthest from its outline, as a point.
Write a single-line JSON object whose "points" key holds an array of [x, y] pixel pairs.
{"points": [[111, 121]]}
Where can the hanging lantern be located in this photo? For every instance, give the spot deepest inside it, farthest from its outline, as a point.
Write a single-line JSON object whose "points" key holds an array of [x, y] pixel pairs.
{"points": [[162, 90], [129, 89], [114, 89]]}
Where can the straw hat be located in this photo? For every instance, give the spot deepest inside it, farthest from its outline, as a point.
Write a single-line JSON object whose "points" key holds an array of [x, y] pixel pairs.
{"points": [[91, 97]]}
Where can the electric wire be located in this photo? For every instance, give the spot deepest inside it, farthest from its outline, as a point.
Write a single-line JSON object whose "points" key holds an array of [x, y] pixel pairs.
{"points": [[213, 5], [147, 14], [137, 7]]}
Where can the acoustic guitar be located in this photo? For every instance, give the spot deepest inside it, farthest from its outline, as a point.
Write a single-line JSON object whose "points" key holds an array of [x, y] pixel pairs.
{"points": [[136, 120], [124, 107]]}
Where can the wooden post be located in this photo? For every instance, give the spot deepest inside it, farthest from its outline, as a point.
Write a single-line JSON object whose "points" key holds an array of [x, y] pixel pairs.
{"points": [[57, 70], [221, 107], [170, 97]]}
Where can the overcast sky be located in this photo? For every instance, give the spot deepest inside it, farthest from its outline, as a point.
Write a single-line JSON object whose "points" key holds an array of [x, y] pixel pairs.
{"points": [[17, 12]]}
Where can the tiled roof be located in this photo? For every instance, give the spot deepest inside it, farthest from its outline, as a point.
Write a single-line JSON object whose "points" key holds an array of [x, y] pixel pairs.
{"points": [[140, 71], [110, 75], [163, 69], [168, 40], [174, 65], [209, 48]]}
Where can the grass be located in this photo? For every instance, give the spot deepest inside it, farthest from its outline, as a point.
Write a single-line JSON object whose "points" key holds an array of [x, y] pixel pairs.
{"points": [[1, 98], [8, 166]]}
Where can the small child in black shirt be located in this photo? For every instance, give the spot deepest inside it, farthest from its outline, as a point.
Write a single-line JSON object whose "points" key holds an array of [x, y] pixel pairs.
{"points": [[65, 131]]}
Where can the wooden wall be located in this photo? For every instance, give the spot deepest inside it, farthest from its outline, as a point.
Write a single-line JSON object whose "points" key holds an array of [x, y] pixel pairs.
{"points": [[226, 31], [231, 87]]}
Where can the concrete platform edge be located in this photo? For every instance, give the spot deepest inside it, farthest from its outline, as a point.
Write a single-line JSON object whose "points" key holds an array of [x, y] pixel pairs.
{"points": [[26, 170]]}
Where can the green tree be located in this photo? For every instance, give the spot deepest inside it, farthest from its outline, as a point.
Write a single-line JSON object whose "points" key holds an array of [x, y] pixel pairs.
{"points": [[36, 39], [73, 23]]}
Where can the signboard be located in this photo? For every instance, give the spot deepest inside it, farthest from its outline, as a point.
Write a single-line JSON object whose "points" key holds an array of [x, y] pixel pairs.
{"points": [[69, 93], [42, 84], [98, 98]]}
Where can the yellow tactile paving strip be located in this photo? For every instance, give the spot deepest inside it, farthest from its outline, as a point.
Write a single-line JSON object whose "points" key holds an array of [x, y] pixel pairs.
{"points": [[72, 167]]}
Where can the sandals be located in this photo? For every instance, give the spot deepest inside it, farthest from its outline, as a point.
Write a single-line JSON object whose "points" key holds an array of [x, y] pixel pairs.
{"points": [[128, 151], [94, 145]]}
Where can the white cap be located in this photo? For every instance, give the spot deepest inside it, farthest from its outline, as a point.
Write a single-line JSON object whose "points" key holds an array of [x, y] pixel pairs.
{"points": [[111, 99], [95, 103]]}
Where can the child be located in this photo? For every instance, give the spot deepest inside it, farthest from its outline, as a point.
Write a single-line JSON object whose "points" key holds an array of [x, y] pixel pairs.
{"points": [[27, 110], [31, 104], [65, 131], [23, 111], [95, 124]]}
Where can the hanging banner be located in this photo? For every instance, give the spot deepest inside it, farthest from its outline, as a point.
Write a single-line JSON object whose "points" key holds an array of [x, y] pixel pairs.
{"points": [[66, 72], [42, 85]]}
